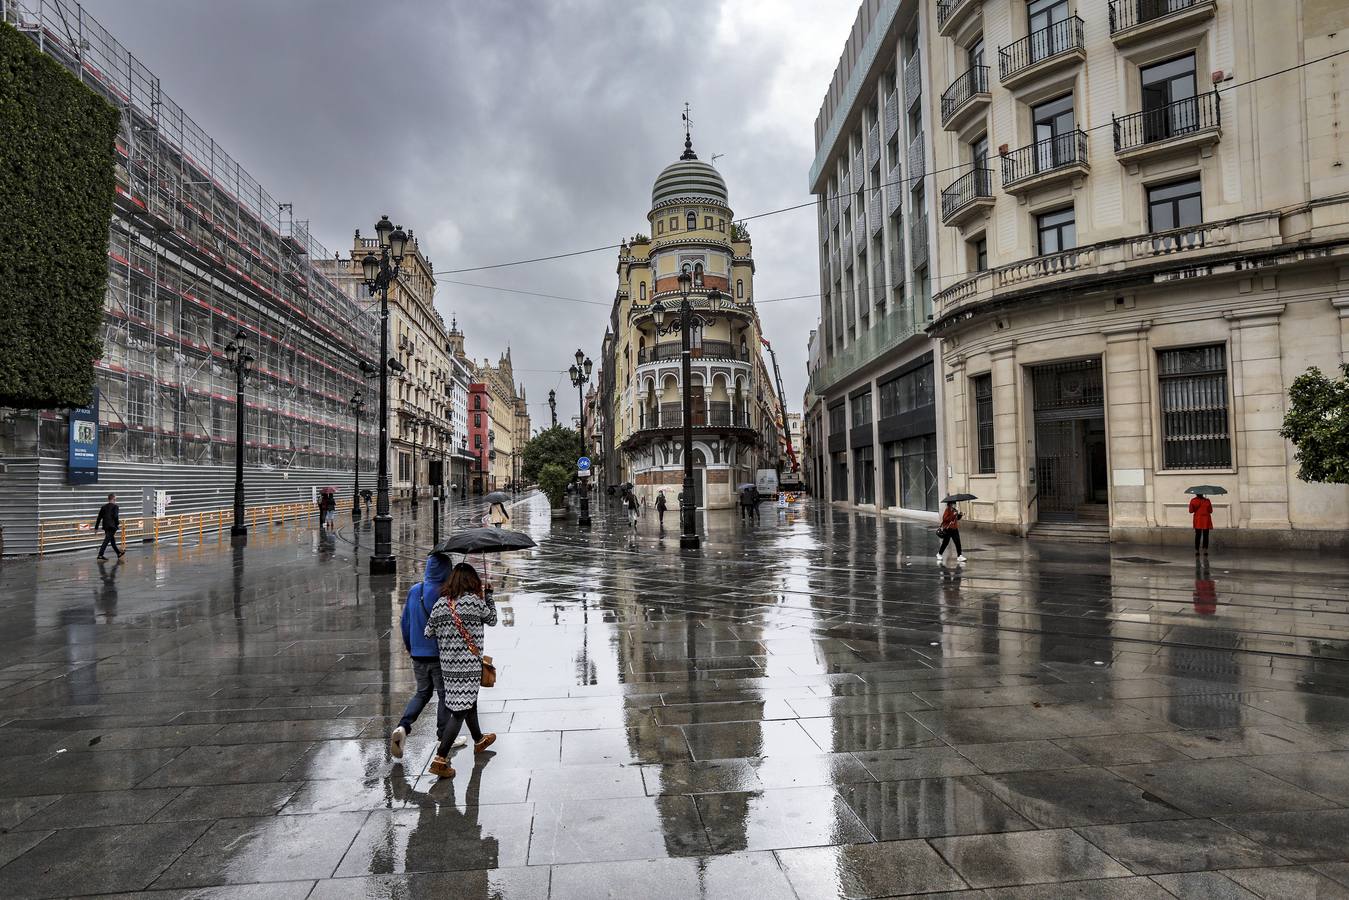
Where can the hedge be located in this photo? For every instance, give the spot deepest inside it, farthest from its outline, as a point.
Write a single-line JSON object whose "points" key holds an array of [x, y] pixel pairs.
{"points": [[56, 200]]}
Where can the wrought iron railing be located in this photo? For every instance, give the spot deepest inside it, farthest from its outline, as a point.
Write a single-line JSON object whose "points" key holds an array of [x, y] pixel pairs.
{"points": [[973, 80], [1188, 116], [1044, 156], [1060, 37], [713, 414], [1128, 13], [974, 185], [707, 350]]}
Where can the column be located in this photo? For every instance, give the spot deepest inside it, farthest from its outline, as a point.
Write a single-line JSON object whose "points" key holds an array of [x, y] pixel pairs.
{"points": [[1128, 411], [1007, 436], [1258, 392]]}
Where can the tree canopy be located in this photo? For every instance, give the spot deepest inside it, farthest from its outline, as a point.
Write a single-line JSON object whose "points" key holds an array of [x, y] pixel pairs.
{"points": [[557, 445], [1317, 422]]}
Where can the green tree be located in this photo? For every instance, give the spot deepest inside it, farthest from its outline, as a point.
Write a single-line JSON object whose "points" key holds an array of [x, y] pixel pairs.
{"points": [[553, 481], [1317, 422], [557, 445]]}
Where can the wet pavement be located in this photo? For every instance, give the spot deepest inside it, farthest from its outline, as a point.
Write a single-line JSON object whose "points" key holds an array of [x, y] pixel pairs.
{"points": [[812, 707]]}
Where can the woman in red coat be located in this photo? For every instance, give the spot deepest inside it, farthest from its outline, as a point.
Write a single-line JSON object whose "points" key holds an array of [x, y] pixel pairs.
{"points": [[1201, 508]]}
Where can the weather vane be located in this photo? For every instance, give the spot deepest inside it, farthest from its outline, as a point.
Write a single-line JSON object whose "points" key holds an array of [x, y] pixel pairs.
{"points": [[688, 137]]}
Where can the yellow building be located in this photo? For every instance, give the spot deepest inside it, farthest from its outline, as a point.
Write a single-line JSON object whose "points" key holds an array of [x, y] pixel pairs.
{"points": [[734, 407], [509, 426]]}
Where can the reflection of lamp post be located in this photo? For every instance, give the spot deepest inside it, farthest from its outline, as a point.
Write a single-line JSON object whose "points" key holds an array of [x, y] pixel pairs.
{"points": [[357, 407], [381, 271], [242, 363], [688, 532], [580, 374]]}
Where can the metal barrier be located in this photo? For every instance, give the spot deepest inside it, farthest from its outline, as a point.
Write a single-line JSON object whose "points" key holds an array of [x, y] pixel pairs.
{"points": [[79, 534]]}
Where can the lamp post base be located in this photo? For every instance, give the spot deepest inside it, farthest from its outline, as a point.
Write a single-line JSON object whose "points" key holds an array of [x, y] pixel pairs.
{"points": [[239, 531], [689, 542], [356, 511], [383, 565]]}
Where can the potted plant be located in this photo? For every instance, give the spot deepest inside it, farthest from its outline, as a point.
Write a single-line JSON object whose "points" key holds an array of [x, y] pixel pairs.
{"points": [[553, 481]]}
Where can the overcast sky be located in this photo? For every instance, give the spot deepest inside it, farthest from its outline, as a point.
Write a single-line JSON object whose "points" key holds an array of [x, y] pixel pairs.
{"points": [[500, 131]]}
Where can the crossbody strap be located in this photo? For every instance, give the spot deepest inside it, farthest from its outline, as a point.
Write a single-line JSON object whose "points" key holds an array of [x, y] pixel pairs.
{"points": [[458, 623]]}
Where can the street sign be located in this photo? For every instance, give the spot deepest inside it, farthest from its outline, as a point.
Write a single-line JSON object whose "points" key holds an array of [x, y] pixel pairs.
{"points": [[583, 465]]}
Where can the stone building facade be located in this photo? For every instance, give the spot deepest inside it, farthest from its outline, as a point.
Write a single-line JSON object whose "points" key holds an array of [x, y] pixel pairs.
{"points": [[1143, 242], [734, 407], [508, 420]]}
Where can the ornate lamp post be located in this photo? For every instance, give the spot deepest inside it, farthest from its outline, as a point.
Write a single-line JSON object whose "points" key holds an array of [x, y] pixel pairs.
{"points": [[357, 404], [242, 363], [381, 271], [552, 406], [580, 374], [688, 530]]}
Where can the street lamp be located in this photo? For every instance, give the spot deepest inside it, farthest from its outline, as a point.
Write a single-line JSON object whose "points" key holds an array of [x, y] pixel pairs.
{"points": [[580, 374], [552, 406], [381, 271], [688, 532], [357, 404], [242, 363]]}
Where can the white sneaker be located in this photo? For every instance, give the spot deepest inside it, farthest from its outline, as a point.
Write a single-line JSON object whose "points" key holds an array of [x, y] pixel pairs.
{"points": [[939, 557], [960, 558], [396, 742], [459, 742]]}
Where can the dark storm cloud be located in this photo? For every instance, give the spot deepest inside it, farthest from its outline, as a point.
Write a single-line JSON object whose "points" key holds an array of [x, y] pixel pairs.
{"points": [[501, 131]]}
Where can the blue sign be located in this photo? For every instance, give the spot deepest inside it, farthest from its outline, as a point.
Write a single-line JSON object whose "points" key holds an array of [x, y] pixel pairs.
{"points": [[82, 456], [583, 464]]}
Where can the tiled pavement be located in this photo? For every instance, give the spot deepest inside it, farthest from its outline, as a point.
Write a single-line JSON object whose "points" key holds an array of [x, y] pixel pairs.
{"points": [[810, 707]]}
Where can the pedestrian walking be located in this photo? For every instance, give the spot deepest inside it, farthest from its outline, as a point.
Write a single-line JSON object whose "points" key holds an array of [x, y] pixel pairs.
{"points": [[1201, 509], [456, 622], [660, 509], [746, 499], [425, 653], [365, 495], [109, 519], [755, 498], [497, 515], [949, 532], [633, 507]]}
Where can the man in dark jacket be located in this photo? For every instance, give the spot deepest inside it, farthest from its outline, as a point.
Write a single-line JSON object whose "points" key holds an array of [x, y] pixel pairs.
{"points": [[109, 519], [424, 652]]}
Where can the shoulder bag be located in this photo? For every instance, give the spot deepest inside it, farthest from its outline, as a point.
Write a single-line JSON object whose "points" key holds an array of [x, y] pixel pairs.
{"points": [[489, 671]]}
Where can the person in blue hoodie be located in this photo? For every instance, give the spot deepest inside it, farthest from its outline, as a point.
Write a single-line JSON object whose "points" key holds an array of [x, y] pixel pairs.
{"points": [[424, 652]]}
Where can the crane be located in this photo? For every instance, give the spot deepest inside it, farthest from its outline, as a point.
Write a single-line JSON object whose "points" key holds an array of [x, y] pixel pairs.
{"points": [[782, 405]]}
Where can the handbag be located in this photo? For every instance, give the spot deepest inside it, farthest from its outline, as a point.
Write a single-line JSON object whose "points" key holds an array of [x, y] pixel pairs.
{"points": [[489, 671]]}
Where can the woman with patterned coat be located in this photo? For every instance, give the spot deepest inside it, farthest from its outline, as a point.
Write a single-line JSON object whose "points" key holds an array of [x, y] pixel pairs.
{"points": [[462, 598]]}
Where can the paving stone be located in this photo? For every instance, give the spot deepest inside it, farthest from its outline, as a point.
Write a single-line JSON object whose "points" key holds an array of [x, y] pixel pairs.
{"points": [[1083, 796], [240, 851], [1304, 836], [1018, 756], [1150, 848], [1216, 787], [863, 871], [991, 860], [130, 858], [895, 810]]}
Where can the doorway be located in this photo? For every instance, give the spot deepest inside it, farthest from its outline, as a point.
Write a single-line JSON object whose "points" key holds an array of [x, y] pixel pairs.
{"points": [[1071, 452]]}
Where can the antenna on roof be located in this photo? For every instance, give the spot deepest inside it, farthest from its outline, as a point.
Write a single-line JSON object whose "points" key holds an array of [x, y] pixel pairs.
{"points": [[715, 157]]}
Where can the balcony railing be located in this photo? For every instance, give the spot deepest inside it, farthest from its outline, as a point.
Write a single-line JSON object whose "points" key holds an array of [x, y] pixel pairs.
{"points": [[1128, 13], [706, 350], [1044, 156], [1060, 37], [976, 184], [714, 414], [915, 157], [1188, 116], [969, 83]]}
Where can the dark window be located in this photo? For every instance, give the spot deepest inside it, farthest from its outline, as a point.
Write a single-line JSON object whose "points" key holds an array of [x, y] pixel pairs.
{"points": [[975, 52], [721, 225], [691, 221], [840, 477], [707, 222], [1170, 106], [1042, 16], [983, 421], [1175, 205], [861, 410], [837, 419], [739, 288], [404, 467], [477, 401], [864, 475], [641, 291], [674, 223], [477, 420], [918, 472], [660, 227], [1057, 230], [1055, 133], [477, 442], [1192, 382], [979, 249], [910, 391]]}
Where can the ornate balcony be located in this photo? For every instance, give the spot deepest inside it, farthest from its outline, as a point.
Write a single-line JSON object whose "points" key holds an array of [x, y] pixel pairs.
{"points": [[1045, 162], [1048, 49], [967, 196], [967, 96], [670, 416], [1136, 20], [951, 14], [670, 350], [1192, 122]]}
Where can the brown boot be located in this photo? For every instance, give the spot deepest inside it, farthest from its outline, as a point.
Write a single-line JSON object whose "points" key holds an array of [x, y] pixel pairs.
{"points": [[441, 767], [486, 741]]}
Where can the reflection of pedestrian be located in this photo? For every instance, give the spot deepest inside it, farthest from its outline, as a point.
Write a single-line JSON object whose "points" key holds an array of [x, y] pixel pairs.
{"points": [[1205, 591], [1201, 508], [109, 519], [106, 601], [456, 623], [660, 509], [438, 815], [950, 532]]}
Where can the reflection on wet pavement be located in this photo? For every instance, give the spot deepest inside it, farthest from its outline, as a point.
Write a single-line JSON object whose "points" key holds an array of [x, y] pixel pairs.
{"points": [[809, 707]]}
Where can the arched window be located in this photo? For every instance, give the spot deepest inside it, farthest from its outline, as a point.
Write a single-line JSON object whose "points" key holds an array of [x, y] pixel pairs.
{"points": [[641, 291], [739, 289], [691, 221], [697, 273]]}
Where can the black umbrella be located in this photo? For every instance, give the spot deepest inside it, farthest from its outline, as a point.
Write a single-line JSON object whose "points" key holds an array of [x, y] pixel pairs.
{"points": [[959, 498], [625, 486], [1206, 489], [498, 497], [484, 540]]}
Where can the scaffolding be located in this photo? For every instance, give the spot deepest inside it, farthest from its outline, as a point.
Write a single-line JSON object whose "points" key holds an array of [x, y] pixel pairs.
{"points": [[198, 252]]}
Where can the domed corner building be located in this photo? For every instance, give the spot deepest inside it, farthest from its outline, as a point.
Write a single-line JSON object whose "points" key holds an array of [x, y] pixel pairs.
{"points": [[735, 411]]}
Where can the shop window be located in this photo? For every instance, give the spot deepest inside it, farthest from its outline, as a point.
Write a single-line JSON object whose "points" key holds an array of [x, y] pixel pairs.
{"points": [[1192, 383]]}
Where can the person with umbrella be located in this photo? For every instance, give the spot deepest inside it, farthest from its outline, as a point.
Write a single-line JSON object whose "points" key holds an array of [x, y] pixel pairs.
{"points": [[660, 509], [424, 652], [1201, 510], [496, 512], [949, 530], [746, 492], [457, 624], [632, 506]]}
